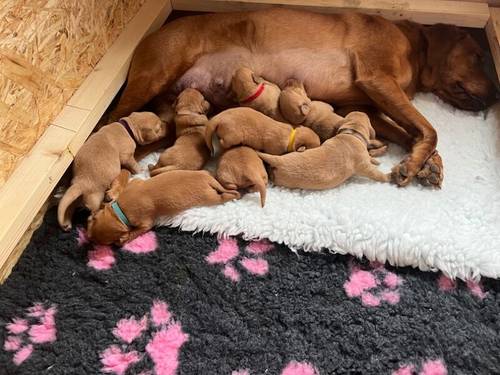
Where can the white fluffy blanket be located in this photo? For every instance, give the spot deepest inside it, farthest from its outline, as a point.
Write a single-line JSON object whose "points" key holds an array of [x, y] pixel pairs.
{"points": [[455, 230]]}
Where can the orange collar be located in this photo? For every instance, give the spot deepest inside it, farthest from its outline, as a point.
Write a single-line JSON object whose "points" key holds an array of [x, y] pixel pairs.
{"points": [[254, 96]]}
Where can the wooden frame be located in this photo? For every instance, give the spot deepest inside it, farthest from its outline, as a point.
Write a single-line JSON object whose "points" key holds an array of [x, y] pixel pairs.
{"points": [[32, 182]]}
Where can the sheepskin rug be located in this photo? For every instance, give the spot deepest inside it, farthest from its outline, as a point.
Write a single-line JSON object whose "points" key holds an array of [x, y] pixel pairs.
{"points": [[455, 229]]}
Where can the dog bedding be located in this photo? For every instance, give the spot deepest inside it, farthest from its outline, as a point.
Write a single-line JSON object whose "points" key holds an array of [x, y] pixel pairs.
{"points": [[175, 302], [455, 229]]}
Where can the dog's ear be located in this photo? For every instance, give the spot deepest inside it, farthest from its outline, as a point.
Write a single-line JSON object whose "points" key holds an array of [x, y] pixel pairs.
{"points": [[305, 109], [124, 237], [206, 106], [257, 79], [301, 149]]}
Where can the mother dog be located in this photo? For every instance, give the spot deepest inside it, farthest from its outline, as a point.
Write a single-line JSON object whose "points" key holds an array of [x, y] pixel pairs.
{"points": [[367, 60]]}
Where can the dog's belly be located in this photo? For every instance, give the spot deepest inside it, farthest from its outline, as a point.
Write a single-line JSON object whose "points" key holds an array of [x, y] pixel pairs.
{"points": [[326, 74]]}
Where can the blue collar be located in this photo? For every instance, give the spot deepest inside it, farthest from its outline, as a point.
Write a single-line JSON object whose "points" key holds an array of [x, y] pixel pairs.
{"points": [[121, 215]]}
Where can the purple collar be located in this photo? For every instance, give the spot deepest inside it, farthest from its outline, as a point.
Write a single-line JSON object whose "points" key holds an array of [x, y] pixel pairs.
{"points": [[127, 128]]}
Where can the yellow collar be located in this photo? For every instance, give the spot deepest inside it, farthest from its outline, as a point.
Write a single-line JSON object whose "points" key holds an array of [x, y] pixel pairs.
{"points": [[291, 140]]}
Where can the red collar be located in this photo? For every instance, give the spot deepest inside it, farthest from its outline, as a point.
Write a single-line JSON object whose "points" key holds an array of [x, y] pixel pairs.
{"points": [[254, 96]]}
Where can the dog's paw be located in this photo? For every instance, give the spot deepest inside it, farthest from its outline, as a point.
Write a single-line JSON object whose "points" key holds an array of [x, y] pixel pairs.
{"points": [[432, 172], [377, 148], [403, 173]]}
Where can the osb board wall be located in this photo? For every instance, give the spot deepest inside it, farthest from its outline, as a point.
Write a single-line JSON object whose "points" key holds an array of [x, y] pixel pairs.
{"points": [[47, 48]]}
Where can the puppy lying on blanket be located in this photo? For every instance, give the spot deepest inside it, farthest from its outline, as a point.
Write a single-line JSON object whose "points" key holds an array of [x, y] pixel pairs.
{"points": [[189, 151], [332, 163], [298, 109], [241, 168], [143, 201], [100, 159], [257, 93], [246, 126]]}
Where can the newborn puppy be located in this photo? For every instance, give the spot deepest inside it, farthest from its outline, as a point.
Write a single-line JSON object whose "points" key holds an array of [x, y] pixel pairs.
{"points": [[143, 201], [100, 159], [189, 151], [191, 109], [241, 168], [246, 126], [298, 109], [332, 163], [255, 92]]}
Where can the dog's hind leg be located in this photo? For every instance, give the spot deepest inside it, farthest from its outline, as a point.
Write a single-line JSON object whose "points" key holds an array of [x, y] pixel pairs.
{"points": [[371, 171]]}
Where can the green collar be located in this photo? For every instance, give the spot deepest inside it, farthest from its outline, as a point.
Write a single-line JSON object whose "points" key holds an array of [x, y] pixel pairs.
{"points": [[121, 215]]}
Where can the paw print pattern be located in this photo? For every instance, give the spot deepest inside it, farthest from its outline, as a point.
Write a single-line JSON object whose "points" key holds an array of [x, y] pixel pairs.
{"points": [[102, 257], [227, 252], [374, 285], [429, 367], [163, 347], [446, 284], [292, 368], [37, 327]]}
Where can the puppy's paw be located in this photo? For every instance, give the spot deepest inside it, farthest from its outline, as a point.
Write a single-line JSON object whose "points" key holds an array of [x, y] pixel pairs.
{"points": [[432, 172], [403, 173]]}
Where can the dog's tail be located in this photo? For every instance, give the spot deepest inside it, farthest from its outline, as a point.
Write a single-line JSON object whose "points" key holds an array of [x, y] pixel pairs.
{"points": [[262, 189], [210, 129], [69, 197]]}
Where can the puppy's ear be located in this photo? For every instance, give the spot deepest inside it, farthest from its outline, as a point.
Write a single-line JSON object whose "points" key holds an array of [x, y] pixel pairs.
{"points": [[256, 78], [305, 109], [123, 238], [206, 106], [301, 149]]}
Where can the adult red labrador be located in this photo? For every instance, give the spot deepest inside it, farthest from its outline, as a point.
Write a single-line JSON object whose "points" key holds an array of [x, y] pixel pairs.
{"points": [[346, 59]]}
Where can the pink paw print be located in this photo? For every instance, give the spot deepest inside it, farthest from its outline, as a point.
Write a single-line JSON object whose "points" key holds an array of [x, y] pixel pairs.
{"points": [[292, 368], [228, 250], [373, 286], [446, 284], [38, 326], [429, 367], [163, 347], [102, 257]]}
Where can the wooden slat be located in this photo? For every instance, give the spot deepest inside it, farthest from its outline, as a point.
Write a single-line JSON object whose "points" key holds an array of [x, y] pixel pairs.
{"points": [[461, 13], [33, 180], [493, 33]]}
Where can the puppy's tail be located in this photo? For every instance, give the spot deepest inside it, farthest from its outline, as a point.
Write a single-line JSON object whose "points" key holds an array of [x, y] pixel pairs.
{"points": [[210, 129], [261, 188], [66, 202]]}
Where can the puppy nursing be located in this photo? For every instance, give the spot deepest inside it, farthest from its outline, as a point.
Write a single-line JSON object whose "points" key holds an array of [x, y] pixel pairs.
{"points": [[143, 201], [329, 165], [189, 151], [256, 131], [257, 93], [298, 109], [246, 126], [101, 158]]}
